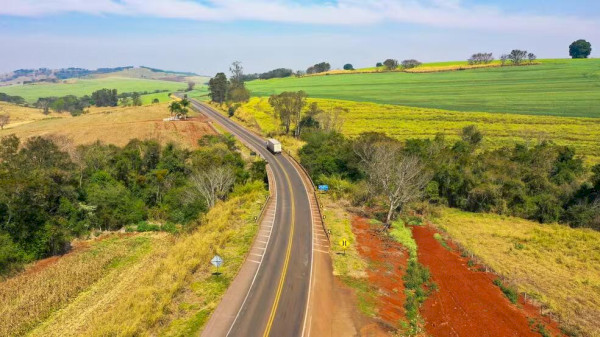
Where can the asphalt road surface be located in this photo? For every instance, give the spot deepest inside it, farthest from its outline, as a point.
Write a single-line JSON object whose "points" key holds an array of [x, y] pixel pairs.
{"points": [[276, 302]]}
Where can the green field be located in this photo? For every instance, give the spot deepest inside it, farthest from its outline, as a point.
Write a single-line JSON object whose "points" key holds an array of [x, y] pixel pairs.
{"points": [[554, 87], [81, 87]]}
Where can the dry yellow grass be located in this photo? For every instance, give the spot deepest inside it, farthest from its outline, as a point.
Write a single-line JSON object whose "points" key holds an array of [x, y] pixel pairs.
{"points": [[118, 125], [558, 265], [171, 290], [29, 298], [339, 221], [22, 115]]}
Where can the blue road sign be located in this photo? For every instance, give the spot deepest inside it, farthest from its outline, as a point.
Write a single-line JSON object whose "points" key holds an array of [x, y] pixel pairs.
{"points": [[323, 188]]}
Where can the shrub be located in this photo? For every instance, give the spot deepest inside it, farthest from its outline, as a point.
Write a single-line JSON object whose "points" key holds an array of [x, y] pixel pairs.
{"points": [[509, 292]]}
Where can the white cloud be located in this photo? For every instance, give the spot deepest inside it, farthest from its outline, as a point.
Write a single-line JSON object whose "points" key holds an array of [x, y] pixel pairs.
{"points": [[437, 13]]}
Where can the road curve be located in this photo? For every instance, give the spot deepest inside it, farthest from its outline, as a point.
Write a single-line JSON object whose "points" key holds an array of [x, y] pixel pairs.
{"points": [[276, 300]]}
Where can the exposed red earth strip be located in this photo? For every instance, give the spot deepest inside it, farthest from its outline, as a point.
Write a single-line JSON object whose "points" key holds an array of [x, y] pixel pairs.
{"points": [[467, 302]]}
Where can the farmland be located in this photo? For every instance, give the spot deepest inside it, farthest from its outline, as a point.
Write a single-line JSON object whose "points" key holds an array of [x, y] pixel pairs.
{"points": [[554, 87], [406, 122], [81, 87], [554, 264], [114, 125]]}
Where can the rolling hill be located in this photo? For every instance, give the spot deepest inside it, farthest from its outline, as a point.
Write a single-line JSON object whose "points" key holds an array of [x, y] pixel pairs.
{"points": [[554, 87]]}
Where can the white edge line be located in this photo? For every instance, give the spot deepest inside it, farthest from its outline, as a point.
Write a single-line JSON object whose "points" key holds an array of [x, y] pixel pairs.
{"points": [[312, 255], [257, 270], [272, 223]]}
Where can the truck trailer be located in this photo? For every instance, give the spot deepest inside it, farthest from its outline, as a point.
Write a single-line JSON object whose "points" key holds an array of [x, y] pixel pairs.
{"points": [[274, 145]]}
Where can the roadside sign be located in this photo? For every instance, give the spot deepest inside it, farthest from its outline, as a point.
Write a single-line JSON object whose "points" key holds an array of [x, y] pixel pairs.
{"points": [[217, 261], [344, 244], [323, 188]]}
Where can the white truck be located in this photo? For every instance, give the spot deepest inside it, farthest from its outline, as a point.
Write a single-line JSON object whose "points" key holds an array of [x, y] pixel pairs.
{"points": [[274, 145]]}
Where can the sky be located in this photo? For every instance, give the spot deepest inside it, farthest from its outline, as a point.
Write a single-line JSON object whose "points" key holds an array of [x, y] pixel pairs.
{"points": [[205, 36]]}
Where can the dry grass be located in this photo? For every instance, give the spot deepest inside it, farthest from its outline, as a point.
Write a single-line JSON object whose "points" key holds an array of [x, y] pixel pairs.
{"points": [[171, 290], [339, 221], [21, 115], [118, 126], [29, 298], [558, 265]]}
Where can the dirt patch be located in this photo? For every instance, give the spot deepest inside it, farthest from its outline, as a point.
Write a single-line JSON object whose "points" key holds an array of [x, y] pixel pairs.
{"points": [[467, 302], [387, 264]]}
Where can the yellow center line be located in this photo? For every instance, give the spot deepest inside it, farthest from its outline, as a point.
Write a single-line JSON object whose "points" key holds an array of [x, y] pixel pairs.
{"points": [[287, 260]]}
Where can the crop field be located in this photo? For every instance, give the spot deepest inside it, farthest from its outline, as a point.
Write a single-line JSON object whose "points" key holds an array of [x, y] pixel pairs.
{"points": [[116, 125], [553, 87], [406, 122], [556, 265], [81, 87]]}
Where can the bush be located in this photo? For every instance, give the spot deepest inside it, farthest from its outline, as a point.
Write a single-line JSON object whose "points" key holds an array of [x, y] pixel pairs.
{"points": [[348, 66], [409, 64], [509, 292], [11, 256]]}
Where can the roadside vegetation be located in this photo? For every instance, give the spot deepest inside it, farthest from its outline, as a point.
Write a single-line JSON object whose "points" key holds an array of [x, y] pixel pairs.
{"points": [[171, 291], [70, 191]]}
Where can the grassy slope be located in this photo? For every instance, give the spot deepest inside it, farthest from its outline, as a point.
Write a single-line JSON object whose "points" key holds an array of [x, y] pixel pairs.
{"points": [[556, 87], [557, 264], [154, 284], [115, 125], [29, 298], [81, 87], [406, 122], [22, 115]]}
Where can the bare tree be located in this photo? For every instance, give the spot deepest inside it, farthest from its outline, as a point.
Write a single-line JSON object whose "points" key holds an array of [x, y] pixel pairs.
{"points": [[503, 59], [44, 104], [213, 184], [332, 119], [517, 56], [481, 58], [400, 179], [191, 85], [4, 120], [532, 57]]}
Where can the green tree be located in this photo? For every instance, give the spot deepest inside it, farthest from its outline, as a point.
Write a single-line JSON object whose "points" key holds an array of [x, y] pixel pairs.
{"points": [[218, 87], [288, 106], [237, 90], [105, 97], [580, 49], [136, 99], [348, 66]]}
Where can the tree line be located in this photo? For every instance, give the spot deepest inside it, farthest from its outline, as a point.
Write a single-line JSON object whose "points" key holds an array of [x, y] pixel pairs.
{"points": [[275, 73], [67, 191], [100, 98], [543, 182]]}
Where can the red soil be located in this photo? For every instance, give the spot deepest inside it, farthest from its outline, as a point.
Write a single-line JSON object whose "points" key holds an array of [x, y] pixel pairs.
{"points": [[467, 302], [388, 261]]}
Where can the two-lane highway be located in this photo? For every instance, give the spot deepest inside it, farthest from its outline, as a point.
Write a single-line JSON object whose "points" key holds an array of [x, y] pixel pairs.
{"points": [[276, 301]]}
